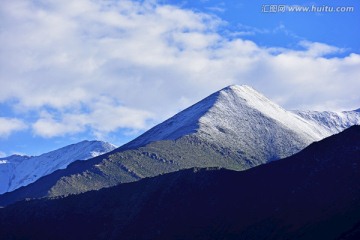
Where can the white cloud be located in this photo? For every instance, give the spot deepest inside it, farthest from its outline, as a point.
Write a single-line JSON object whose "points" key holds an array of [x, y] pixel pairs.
{"points": [[150, 61], [101, 118], [2, 154], [49, 127], [315, 49], [10, 125]]}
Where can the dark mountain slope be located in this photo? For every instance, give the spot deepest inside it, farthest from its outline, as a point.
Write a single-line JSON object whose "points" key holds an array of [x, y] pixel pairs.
{"points": [[314, 194], [131, 165]]}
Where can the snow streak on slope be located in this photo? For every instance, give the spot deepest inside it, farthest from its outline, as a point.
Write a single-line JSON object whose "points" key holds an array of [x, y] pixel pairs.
{"points": [[17, 171]]}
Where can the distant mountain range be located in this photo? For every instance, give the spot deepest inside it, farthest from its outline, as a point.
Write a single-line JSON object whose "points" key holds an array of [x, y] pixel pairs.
{"points": [[17, 171], [314, 194], [235, 128]]}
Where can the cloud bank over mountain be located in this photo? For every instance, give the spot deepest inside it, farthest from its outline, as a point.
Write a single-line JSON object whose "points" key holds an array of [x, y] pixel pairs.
{"points": [[101, 66]]}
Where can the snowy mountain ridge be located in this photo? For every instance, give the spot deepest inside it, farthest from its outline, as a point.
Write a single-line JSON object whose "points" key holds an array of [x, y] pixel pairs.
{"points": [[17, 171], [229, 113], [333, 122]]}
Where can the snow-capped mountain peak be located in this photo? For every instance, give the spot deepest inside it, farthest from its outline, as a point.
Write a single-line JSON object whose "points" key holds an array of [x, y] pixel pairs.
{"points": [[233, 110], [239, 97], [17, 171]]}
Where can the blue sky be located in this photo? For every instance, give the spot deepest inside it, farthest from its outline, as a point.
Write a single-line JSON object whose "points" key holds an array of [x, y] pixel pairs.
{"points": [[109, 70], [288, 28]]}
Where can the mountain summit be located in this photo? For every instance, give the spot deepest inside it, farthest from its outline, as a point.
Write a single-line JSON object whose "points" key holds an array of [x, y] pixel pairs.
{"points": [[238, 117], [235, 128]]}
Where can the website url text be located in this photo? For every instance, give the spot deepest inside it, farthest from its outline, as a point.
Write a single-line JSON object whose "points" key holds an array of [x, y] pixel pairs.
{"points": [[273, 8]]}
